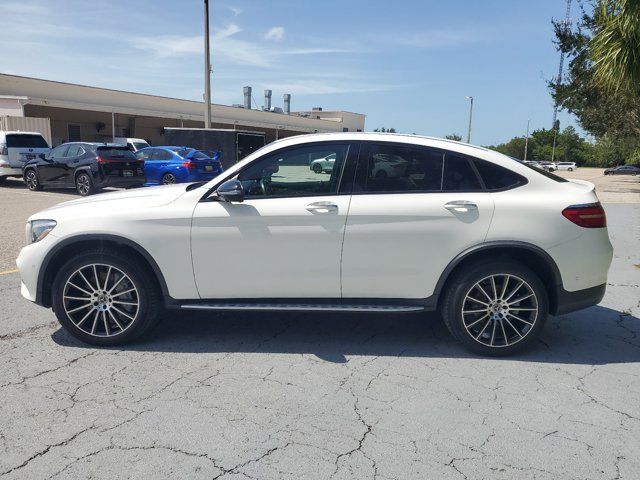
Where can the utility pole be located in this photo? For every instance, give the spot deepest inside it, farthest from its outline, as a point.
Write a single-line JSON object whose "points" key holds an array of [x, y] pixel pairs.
{"points": [[207, 69], [470, 116], [526, 142], [566, 25]]}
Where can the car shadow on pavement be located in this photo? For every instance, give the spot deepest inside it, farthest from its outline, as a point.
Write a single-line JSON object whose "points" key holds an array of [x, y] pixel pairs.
{"points": [[594, 336]]}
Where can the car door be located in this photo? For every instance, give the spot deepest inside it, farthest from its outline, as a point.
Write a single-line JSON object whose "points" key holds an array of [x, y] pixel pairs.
{"points": [[412, 211], [70, 163], [50, 169], [285, 239]]}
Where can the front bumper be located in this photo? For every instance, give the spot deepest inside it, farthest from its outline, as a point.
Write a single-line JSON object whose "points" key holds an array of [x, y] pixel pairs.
{"points": [[29, 264]]}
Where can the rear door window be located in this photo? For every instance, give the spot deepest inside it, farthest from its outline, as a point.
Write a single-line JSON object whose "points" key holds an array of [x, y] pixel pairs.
{"points": [[397, 168], [459, 175], [26, 141], [59, 151], [74, 151]]}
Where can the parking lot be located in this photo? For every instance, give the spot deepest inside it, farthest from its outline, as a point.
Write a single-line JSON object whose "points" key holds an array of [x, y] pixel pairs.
{"points": [[323, 396]]}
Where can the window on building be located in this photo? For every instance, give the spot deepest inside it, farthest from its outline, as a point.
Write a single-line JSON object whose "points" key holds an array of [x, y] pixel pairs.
{"points": [[73, 132]]}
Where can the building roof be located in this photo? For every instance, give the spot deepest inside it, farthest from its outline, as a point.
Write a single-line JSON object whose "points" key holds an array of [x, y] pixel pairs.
{"points": [[82, 97]]}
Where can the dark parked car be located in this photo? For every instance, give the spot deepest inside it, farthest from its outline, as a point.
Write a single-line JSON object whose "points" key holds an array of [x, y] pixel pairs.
{"points": [[85, 166], [622, 170]]}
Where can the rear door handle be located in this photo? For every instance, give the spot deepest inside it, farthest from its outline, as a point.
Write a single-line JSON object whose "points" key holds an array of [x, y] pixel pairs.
{"points": [[322, 207], [461, 206]]}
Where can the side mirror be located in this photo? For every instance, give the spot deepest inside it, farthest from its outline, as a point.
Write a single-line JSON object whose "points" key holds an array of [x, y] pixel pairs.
{"points": [[231, 191]]}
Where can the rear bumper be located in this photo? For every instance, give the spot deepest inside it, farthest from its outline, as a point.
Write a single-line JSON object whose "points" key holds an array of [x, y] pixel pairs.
{"points": [[120, 182], [572, 301], [10, 172]]}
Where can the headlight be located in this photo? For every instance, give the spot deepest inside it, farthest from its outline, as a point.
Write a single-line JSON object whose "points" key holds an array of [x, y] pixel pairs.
{"points": [[38, 229]]}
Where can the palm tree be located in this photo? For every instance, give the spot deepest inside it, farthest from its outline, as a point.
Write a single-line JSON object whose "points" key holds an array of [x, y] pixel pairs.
{"points": [[615, 48]]}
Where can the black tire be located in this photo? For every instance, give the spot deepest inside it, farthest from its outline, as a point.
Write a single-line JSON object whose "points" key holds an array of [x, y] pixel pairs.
{"points": [[84, 184], [31, 180], [462, 285], [570, 169], [317, 168], [168, 179], [147, 295], [2, 180]]}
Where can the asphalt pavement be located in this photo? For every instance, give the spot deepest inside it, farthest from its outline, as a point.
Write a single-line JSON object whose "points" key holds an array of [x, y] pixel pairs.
{"points": [[302, 396]]}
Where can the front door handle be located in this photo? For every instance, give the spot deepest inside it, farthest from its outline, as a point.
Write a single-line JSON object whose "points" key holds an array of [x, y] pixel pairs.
{"points": [[322, 207], [462, 206]]}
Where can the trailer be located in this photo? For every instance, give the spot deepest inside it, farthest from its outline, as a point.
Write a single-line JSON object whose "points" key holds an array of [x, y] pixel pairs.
{"points": [[233, 145]]}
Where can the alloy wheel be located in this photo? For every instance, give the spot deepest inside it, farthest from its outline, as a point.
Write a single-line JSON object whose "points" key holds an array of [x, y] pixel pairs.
{"points": [[31, 180], [101, 300], [500, 310], [83, 184], [168, 179]]}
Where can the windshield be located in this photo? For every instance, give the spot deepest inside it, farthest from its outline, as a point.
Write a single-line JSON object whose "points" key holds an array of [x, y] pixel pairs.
{"points": [[22, 140], [139, 145]]}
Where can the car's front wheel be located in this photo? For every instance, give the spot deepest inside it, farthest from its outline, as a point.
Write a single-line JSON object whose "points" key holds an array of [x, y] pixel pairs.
{"points": [[105, 297], [317, 168], [495, 307]]}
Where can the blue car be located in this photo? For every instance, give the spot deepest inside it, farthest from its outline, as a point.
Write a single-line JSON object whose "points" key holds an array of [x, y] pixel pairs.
{"points": [[167, 165]]}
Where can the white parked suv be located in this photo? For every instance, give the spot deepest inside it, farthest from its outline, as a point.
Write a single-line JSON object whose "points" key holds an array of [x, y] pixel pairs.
{"points": [[492, 244], [17, 148], [569, 166]]}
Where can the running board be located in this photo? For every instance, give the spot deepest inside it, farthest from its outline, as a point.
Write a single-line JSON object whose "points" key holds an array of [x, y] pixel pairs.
{"points": [[304, 307]]}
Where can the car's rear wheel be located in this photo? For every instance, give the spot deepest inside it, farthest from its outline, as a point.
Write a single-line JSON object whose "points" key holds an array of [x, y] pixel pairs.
{"points": [[106, 298], [317, 168], [495, 307], [84, 184], [32, 181], [168, 179]]}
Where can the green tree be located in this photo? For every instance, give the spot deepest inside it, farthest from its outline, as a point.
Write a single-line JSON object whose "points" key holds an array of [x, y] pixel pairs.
{"points": [[454, 136], [570, 146], [385, 130], [615, 46], [611, 116]]}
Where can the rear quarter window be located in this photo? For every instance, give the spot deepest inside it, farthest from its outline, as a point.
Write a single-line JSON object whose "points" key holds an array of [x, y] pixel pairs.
{"points": [[496, 177]]}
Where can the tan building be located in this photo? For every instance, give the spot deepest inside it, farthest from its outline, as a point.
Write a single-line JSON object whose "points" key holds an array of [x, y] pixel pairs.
{"points": [[79, 112]]}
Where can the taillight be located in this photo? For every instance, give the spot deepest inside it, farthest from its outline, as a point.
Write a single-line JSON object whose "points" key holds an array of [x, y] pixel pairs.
{"points": [[590, 215], [102, 161], [189, 164]]}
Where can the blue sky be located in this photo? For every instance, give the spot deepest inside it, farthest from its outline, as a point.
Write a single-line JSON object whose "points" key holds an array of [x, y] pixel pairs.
{"points": [[405, 64]]}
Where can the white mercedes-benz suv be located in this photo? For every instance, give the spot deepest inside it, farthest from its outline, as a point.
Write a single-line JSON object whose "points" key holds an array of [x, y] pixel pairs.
{"points": [[491, 244]]}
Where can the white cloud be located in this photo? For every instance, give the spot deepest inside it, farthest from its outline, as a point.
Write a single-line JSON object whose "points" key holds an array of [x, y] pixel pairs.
{"points": [[274, 33]]}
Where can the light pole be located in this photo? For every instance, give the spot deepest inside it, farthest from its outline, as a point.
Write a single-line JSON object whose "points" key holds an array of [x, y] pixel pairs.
{"points": [[526, 142], [207, 69], [470, 116]]}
